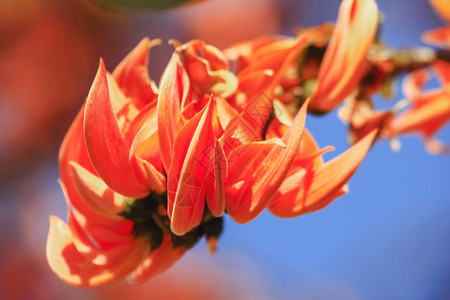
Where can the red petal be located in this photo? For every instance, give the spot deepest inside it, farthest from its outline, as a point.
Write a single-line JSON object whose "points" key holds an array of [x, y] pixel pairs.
{"points": [[413, 83], [172, 91], [95, 253], [73, 149], [132, 75], [105, 142], [344, 61], [65, 260], [145, 154], [318, 188], [215, 190], [242, 159], [156, 262], [270, 174], [96, 194], [277, 56], [189, 173], [257, 113], [442, 68], [156, 180]]}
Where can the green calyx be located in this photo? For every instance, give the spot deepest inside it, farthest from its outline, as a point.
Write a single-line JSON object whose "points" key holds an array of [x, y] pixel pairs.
{"points": [[151, 221]]}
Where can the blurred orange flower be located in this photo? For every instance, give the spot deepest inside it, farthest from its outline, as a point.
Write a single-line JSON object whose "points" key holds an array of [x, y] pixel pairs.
{"points": [[345, 59], [438, 37], [442, 7], [429, 110]]}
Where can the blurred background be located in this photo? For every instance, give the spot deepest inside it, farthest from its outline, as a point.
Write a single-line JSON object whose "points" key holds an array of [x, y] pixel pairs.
{"points": [[389, 238]]}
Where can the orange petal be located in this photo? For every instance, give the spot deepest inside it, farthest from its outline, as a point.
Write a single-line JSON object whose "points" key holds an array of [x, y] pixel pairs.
{"points": [[189, 173], [439, 37], [257, 113], [414, 82], [215, 189], [95, 253], [243, 53], [65, 260], [253, 84], [270, 174], [442, 7], [105, 236], [317, 188], [132, 75], [242, 159], [73, 149], [156, 262], [344, 61], [225, 112], [442, 68], [277, 56], [207, 69], [434, 146], [145, 154], [172, 91], [237, 133], [96, 194], [426, 117], [105, 142], [156, 180]]}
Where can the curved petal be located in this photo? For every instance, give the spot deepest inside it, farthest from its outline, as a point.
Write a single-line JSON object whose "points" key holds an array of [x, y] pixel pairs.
{"points": [[65, 260], [215, 188], [84, 244], [270, 174], [344, 61], [277, 56], [254, 83], [317, 188], [242, 159], [257, 113], [105, 142], [207, 69], [145, 153], [156, 262], [73, 149], [427, 117], [414, 82], [96, 194], [190, 173], [439, 37], [156, 180], [442, 7], [171, 94], [131, 74]]}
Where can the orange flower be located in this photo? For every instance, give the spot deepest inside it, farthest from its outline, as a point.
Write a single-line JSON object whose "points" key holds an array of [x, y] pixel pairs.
{"points": [[147, 172], [429, 110], [345, 59], [442, 7]]}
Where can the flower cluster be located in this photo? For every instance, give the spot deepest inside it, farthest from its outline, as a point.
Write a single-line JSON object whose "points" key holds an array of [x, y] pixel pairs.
{"points": [[149, 170], [423, 112]]}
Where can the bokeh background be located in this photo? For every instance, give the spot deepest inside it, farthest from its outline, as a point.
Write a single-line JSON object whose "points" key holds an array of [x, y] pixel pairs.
{"points": [[389, 238]]}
